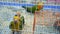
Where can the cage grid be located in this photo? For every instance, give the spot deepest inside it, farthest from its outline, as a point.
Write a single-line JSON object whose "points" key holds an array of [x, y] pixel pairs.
{"points": [[53, 2], [45, 19], [41, 22]]}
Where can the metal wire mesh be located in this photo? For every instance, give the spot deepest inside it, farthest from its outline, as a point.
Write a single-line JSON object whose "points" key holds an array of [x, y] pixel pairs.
{"points": [[41, 22]]}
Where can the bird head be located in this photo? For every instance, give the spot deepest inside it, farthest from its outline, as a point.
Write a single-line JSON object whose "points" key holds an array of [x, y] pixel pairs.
{"points": [[40, 5], [16, 19]]}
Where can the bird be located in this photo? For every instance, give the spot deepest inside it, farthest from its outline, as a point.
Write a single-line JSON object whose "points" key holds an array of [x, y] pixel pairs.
{"points": [[34, 8]]}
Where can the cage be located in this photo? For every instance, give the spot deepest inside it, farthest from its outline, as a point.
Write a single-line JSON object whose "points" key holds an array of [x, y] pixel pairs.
{"points": [[44, 22], [33, 19]]}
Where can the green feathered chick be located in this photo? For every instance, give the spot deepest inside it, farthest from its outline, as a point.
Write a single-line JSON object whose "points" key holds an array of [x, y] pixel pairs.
{"points": [[17, 26], [34, 8]]}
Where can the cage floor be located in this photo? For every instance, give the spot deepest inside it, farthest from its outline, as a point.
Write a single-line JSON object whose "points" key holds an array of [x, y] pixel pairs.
{"points": [[6, 15]]}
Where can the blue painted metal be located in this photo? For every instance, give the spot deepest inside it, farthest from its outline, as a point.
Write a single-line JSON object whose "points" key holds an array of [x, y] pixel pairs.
{"points": [[17, 4]]}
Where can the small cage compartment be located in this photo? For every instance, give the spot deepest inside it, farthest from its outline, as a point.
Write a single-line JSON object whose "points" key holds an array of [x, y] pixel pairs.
{"points": [[45, 22], [29, 17]]}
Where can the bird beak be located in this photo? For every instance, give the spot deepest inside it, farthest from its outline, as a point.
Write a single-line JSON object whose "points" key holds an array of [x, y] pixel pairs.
{"points": [[15, 20]]}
